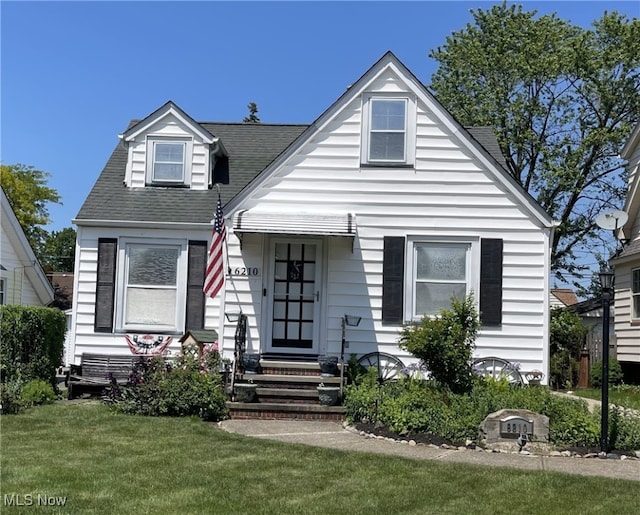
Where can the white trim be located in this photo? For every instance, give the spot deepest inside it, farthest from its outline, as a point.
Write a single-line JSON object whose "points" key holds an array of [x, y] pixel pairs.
{"points": [[168, 109], [389, 62], [256, 221]]}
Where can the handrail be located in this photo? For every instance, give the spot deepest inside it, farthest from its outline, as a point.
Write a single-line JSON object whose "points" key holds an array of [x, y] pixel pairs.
{"points": [[239, 349]]}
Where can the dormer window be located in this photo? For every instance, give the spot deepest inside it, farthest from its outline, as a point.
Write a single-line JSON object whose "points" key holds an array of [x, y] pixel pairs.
{"points": [[168, 161], [387, 131]]}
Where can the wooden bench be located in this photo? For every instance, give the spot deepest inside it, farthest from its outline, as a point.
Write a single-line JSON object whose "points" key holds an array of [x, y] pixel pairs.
{"points": [[95, 372]]}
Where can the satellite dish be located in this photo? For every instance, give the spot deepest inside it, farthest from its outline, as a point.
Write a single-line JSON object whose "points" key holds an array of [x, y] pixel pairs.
{"points": [[612, 219]]}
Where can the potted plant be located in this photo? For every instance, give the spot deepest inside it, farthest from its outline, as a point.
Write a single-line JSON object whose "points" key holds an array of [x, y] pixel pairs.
{"points": [[534, 377], [328, 395], [245, 392], [328, 365], [251, 363]]}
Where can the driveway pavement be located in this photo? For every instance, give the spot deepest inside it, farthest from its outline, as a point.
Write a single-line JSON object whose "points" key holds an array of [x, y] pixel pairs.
{"points": [[333, 435]]}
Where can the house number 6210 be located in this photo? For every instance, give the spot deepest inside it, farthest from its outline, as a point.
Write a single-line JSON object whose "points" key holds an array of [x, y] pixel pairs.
{"points": [[243, 270]]}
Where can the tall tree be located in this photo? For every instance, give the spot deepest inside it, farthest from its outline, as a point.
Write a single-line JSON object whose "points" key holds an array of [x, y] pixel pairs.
{"points": [[58, 250], [562, 100], [28, 194], [253, 114]]}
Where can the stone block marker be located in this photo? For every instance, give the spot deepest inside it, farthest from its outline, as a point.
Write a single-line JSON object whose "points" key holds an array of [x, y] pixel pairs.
{"points": [[501, 429]]}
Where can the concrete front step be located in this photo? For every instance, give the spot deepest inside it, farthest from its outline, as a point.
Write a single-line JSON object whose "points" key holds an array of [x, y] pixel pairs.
{"points": [[288, 395], [291, 381], [297, 368], [286, 411]]}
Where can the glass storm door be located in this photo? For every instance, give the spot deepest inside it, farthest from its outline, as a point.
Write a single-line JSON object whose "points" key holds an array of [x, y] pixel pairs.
{"points": [[295, 296]]}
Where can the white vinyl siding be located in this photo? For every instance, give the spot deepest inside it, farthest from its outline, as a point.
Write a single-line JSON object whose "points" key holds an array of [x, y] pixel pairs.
{"points": [[140, 160], [447, 196]]}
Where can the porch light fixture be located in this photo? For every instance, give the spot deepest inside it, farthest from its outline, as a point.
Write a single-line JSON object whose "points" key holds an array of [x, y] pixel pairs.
{"points": [[606, 283], [232, 317], [352, 320]]}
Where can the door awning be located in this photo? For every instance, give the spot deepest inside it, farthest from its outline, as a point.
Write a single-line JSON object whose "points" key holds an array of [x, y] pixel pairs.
{"points": [[316, 224]]}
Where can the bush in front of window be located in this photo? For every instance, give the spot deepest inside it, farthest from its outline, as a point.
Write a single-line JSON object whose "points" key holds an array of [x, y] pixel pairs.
{"points": [[445, 343], [185, 387]]}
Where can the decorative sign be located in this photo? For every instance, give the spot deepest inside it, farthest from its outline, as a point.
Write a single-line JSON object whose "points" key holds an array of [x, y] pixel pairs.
{"points": [[514, 426], [244, 271]]}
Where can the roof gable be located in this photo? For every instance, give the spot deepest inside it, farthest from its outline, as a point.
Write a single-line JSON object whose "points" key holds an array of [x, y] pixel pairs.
{"points": [[167, 110], [632, 201], [386, 67], [29, 262]]}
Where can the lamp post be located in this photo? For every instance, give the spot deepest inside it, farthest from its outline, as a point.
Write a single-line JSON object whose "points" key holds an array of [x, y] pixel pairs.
{"points": [[606, 282]]}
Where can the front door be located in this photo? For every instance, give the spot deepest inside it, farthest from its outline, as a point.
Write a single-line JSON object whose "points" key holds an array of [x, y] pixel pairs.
{"points": [[294, 302]]}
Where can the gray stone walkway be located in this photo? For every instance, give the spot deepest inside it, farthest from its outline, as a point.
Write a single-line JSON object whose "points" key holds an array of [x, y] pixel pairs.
{"points": [[333, 435]]}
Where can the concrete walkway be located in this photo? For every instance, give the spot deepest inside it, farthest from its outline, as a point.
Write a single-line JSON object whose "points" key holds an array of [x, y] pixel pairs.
{"points": [[334, 436]]}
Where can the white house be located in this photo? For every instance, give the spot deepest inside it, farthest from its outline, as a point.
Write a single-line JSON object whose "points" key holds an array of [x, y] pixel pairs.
{"points": [[22, 279], [382, 208], [627, 267]]}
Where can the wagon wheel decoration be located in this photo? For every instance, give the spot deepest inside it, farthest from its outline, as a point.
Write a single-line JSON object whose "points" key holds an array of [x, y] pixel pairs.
{"points": [[497, 368], [389, 367]]}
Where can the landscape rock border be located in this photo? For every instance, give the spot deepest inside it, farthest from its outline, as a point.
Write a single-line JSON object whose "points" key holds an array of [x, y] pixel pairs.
{"points": [[471, 446]]}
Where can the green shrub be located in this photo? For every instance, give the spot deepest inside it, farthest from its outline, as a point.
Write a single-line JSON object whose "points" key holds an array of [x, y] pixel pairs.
{"points": [[624, 429], [566, 339], [31, 342], [37, 392], [10, 402], [187, 387], [412, 405], [615, 373], [445, 344]]}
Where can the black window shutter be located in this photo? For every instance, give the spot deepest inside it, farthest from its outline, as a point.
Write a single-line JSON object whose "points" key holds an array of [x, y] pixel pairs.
{"points": [[491, 250], [105, 285], [393, 280], [195, 282]]}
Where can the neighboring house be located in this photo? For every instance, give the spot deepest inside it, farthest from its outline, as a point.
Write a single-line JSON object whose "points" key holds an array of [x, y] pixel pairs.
{"points": [[590, 311], [62, 283], [562, 297], [627, 266], [383, 208], [22, 280]]}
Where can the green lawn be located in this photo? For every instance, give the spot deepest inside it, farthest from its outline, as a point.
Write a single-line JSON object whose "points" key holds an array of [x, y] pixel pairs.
{"points": [[109, 463], [623, 395]]}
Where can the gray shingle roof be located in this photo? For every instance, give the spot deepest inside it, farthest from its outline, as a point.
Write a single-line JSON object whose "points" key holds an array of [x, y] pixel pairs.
{"points": [[251, 147]]}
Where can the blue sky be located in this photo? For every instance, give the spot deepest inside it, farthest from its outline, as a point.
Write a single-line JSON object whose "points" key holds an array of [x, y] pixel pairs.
{"points": [[74, 73]]}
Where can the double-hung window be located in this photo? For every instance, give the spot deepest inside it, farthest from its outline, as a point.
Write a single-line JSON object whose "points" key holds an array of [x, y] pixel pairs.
{"points": [[153, 287], [169, 160], [388, 130], [3, 292], [441, 271], [635, 291]]}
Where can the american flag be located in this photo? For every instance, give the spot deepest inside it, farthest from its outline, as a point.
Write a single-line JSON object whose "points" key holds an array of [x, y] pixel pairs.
{"points": [[214, 277]]}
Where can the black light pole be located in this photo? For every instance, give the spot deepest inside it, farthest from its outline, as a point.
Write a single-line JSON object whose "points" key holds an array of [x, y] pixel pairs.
{"points": [[606, 282]]}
